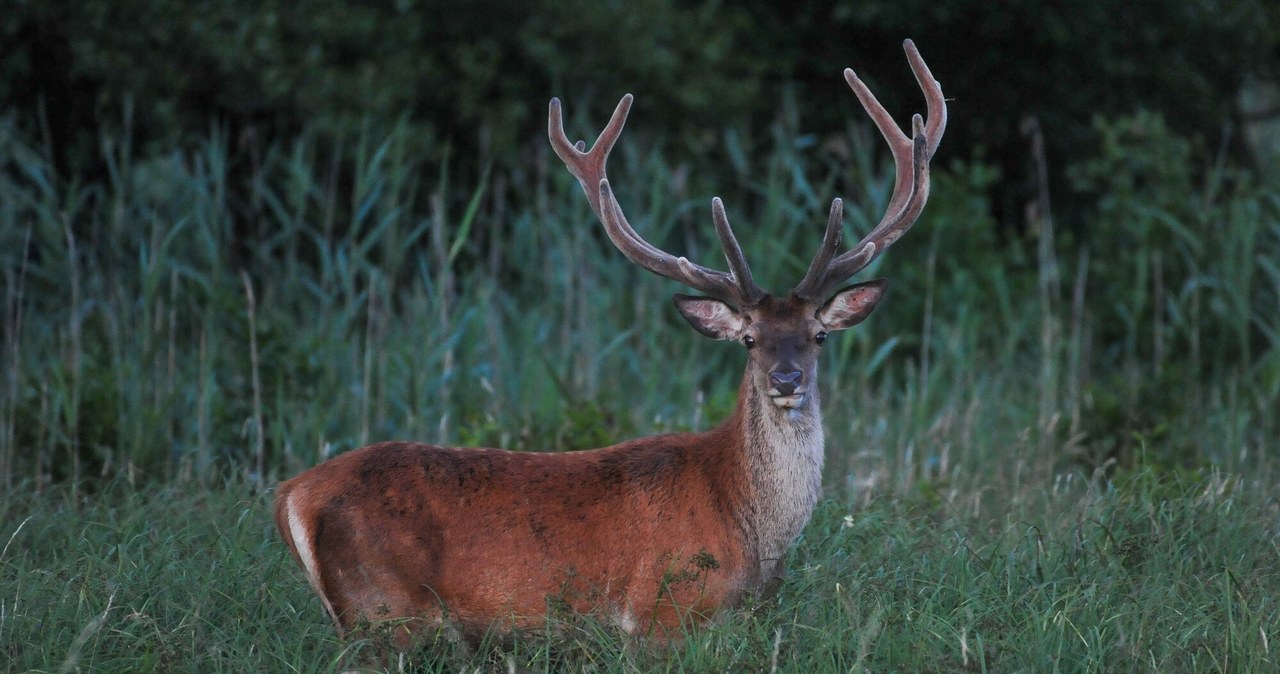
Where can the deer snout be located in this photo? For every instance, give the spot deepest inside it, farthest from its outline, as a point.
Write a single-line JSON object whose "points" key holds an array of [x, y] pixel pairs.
{"points": [[786, 383]]}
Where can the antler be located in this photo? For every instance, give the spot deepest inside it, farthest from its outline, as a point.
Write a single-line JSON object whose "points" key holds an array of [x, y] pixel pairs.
{"points": [[735, 287], [910, 189]]}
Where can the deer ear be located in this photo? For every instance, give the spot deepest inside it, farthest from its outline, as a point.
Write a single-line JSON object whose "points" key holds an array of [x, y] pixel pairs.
{"points": [[711, 317], [849, 306]]}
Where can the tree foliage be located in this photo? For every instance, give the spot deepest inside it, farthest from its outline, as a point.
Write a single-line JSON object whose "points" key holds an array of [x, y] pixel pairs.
{"points": [[478, 74]]}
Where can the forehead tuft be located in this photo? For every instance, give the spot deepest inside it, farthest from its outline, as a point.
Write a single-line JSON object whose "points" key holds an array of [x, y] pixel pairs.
{"points": [[782, 311]]}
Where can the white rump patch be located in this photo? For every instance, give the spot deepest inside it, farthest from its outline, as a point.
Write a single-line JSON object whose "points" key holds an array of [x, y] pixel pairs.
{"points": [[306, 553]]}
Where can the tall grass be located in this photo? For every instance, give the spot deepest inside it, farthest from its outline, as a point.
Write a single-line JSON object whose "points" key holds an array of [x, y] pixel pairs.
{"points": [[193, 313], [1019, 428]]}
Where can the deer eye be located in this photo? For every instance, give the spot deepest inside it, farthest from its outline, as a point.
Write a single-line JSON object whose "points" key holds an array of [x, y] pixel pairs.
{"points": [[748, 341], [820, 337]]}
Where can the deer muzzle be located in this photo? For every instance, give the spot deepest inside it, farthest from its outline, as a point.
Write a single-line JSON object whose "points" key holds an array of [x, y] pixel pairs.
{"points": [[786, 388]]}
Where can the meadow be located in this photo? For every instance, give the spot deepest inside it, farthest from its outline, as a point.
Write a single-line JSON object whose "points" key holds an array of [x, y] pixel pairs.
{"points": [[1052, 451]]}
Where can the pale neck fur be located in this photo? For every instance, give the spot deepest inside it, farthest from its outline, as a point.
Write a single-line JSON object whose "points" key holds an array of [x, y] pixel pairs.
{"points": [[784, 453]]}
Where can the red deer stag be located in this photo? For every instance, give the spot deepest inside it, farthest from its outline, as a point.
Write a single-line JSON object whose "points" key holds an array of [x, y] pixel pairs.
{"points": [[650, 534]]}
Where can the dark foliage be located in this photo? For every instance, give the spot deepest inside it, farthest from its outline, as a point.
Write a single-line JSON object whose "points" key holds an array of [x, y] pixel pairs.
{"points": [[478, 74]]}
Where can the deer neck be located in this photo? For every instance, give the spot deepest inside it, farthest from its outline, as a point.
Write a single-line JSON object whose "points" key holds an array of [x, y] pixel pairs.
{"points": [[783, 455]]}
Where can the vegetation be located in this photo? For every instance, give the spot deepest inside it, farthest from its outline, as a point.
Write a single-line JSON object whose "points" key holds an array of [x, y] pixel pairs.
{"points": [[1014, 479], [147, 338], [456, 76], [1153, 573], [1052, 446]]}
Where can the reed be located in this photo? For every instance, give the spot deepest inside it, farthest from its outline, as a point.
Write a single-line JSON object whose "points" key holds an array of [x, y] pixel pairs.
{"points": [[1041, 454]]}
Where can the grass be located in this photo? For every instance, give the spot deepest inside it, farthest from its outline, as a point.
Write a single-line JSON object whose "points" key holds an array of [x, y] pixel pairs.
{"points": [[1050, 458], [1160, 573]]}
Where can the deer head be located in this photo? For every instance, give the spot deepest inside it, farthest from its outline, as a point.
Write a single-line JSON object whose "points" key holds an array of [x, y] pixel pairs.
{"points": [[783, 334]]}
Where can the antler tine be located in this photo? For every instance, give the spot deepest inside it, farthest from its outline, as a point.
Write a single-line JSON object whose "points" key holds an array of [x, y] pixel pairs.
{"points": [[911, 182], [714, 283], [736, 287], [891, 228], [899, 144], [936, 105], [738, 267], [589, 167], [826, 251]]}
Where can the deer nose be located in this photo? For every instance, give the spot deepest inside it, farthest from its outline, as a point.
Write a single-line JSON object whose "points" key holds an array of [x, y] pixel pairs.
{"points": [[786, 383]]}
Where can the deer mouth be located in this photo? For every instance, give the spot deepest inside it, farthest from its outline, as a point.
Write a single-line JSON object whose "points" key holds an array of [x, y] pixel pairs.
{"points": [[790, 401]]}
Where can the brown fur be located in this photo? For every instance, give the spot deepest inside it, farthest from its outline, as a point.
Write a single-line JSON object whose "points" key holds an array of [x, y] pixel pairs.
{"points": [[486, 537], [652, 535]]}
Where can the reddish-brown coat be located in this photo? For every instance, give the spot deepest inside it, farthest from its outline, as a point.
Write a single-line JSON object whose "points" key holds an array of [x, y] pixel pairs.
{"points": [[644, 533]]}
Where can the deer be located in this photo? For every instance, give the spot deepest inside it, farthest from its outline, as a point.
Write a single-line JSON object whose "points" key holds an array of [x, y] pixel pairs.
{"points": [[651, 536]]}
